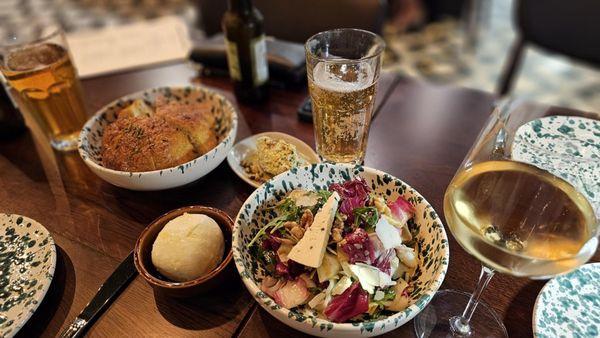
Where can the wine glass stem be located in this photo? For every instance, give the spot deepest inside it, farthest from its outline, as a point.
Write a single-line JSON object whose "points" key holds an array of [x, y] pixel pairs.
{"points": [[460, 324]]}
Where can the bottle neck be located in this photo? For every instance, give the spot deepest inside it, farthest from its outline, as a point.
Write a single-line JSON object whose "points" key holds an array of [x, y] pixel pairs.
{"points": [[240, 6]]}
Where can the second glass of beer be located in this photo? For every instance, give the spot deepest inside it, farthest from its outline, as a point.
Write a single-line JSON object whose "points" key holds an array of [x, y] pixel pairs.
{"points": [[44, 82], [343, 67]]}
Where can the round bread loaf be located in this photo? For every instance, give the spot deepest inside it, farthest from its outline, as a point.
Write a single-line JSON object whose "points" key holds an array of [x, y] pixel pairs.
{"points": [[188, 247]]}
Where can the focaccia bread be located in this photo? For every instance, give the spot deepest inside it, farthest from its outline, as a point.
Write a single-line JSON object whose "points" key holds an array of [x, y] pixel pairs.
{"points": [[143, 144], [142, 139]]}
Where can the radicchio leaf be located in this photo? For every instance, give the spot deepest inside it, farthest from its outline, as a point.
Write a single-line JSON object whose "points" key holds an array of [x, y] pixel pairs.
{"points": [[289, 270], [401, 209], [376, 244], [271, 243], [354, 194], [383, 262], [358, 247], [350, 303]]}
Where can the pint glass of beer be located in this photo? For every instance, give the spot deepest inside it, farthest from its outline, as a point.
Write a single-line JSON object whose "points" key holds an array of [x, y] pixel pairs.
{"points": [[44, 82], [343, 68]]}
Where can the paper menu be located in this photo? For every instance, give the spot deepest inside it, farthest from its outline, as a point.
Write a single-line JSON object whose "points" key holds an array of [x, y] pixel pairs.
{"points": [[126, 47]]}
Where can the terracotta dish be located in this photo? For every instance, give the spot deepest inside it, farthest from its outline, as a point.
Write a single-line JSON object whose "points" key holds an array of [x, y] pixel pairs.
{"points": [[143, 261]]}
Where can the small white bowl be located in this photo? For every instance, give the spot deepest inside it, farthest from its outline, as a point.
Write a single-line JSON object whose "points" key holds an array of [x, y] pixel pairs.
{"points": [[248, 146], [90, 140]]}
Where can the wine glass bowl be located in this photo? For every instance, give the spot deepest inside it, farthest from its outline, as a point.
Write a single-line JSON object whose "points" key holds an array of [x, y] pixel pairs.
{"points": [[519, 219]]}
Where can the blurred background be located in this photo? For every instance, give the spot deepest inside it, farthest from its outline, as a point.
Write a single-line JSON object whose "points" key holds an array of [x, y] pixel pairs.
{"points": [[466, 43]]}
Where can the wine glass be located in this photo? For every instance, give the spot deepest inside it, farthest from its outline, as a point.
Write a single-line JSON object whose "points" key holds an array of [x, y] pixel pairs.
{"points": [[525, 202]]}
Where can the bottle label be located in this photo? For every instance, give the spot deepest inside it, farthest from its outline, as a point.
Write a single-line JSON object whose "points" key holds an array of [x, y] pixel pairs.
{"points": [[260, 71], [233, 60]]}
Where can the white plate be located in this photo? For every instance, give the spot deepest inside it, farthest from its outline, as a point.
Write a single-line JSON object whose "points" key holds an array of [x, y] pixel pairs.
{"points": [[569, 305], [248, 146], [27, 263]]}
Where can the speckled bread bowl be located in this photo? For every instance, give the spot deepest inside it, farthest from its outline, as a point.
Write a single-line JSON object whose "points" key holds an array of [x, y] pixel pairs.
{"points": [[431, 239], [218, 276], [90, 140]]}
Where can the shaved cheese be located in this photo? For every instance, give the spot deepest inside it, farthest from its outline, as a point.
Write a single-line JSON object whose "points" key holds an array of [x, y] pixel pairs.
{"points": [[309, 251], [304, 198], [371, 277], [388, 234], [407, 256], [329, 268], [346, 268], [317, 300], [341, 286]]}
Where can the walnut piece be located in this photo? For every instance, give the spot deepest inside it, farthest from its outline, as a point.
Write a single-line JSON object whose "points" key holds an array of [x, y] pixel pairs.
{"points": [[306, 219]]}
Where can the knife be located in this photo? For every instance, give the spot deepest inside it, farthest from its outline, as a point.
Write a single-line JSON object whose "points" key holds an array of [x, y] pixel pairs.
{"points": [[108, 291]]}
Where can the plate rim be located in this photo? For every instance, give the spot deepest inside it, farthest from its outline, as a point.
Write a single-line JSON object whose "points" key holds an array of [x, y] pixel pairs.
{"points": [[537, 305], [52, 270]]}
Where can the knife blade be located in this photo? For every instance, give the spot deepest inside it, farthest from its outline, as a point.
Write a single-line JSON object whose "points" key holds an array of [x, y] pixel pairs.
{"points": [[108, 291]]}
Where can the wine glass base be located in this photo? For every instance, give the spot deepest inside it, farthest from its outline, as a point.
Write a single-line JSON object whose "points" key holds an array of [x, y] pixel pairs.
{"points": [[434, 320]]}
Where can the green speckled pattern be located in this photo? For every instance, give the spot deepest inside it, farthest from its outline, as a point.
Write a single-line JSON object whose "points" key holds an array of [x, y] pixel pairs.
{"points": [[432, 244], [569, 305], [567, 147], [27, 263]]}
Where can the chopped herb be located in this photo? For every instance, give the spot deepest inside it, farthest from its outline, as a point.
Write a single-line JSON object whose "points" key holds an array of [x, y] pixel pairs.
{"points": [[288, 210], [367, 216], [266, 257]]}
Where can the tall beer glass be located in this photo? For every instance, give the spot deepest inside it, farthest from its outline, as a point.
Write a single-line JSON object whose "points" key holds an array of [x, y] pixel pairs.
{"points": [[343, 68], [44, 82]]}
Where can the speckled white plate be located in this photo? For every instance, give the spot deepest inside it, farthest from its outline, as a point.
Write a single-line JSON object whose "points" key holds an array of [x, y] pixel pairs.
{"points": [[567, 147], [248, 146], [569, 305], [27, 263]]}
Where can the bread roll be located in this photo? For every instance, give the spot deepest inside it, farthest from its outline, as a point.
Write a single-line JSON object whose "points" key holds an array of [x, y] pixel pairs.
{"points": [[188, 247]]}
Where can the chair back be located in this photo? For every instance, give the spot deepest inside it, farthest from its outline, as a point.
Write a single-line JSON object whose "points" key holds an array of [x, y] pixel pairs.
{"points": [[569, 27]]}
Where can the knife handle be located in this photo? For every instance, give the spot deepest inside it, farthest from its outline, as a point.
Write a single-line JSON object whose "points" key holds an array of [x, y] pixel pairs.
{"points": [[74, 330]]}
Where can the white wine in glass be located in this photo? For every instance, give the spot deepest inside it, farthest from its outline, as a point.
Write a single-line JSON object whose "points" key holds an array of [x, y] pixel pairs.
{"points": [[532, 215], [520, 220]]}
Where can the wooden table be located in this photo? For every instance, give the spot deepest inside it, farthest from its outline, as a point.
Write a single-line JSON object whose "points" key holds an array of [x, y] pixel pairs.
{"points": [[420, 134]]}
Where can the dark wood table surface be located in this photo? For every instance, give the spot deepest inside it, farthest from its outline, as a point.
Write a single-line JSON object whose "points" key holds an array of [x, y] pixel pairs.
{"points": [[420, 134]]}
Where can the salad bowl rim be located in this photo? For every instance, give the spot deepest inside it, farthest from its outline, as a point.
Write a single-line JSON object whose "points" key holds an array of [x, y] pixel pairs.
{"points": [[417, 306]]}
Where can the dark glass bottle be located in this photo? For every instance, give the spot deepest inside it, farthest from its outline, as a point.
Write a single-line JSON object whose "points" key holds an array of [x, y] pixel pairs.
{"points": [[246, 51], [11, 121]]}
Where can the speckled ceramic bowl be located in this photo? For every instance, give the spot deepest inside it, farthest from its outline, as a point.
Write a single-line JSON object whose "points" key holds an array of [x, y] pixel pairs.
{"points": [[90, 140], [431, 240], [27, 263]]}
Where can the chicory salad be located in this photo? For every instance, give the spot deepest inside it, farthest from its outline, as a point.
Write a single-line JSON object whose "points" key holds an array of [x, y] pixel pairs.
{"points": [[345, 253]]}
